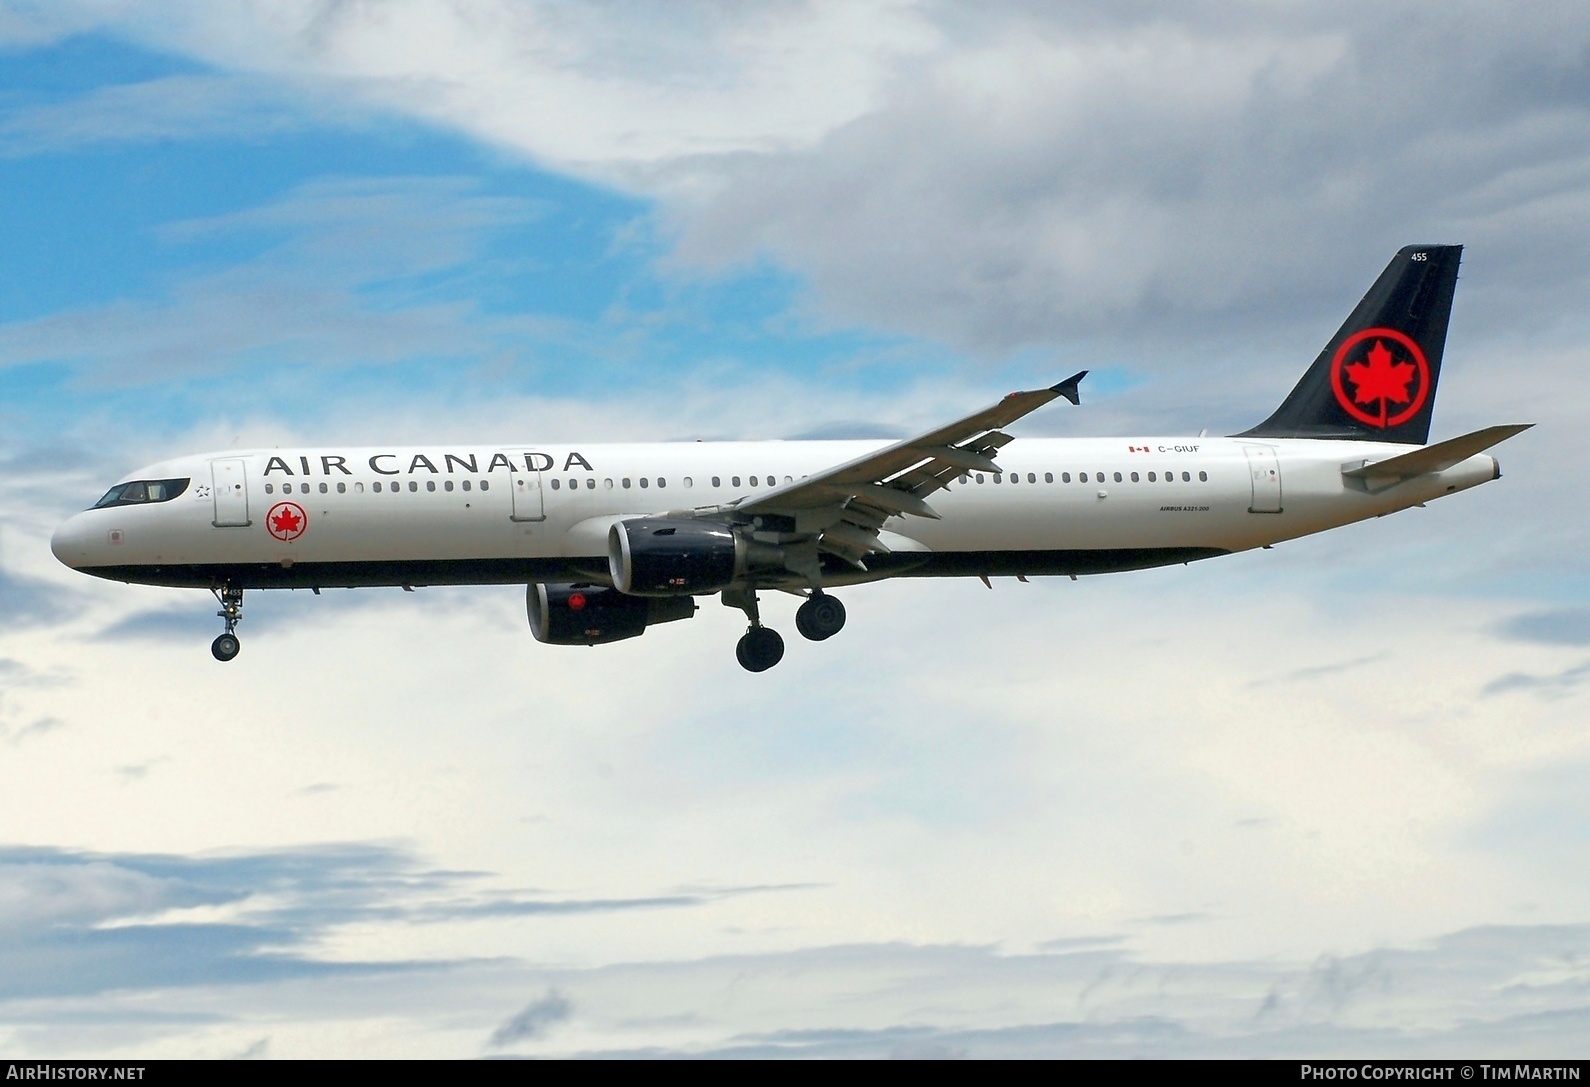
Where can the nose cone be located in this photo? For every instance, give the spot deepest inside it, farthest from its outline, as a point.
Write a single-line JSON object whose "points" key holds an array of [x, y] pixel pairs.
{"points": [[70, 542]]}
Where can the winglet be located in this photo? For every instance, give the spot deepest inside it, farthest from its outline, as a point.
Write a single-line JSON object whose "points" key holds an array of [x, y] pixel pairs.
{"points": [[1069, 387]]}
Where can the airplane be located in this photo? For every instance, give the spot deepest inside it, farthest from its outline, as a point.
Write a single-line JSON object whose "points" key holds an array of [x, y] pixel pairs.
{"points": [[612, 539]]}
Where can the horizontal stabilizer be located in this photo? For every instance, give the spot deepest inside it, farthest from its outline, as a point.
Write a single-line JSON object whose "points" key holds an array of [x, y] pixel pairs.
{"points": [[1433, 458]]}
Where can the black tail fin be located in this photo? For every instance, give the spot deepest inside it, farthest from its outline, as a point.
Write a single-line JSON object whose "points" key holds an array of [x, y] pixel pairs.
{"points": [[1376, 378]]}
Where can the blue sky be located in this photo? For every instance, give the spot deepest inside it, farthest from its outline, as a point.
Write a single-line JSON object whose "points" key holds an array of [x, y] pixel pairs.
{"points": [[1326, 798]]}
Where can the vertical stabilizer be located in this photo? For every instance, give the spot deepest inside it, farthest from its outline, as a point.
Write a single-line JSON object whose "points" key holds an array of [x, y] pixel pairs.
{"points": [[1376, 378]]}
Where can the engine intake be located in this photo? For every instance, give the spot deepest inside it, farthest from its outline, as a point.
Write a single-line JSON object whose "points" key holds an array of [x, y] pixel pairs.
{"points": [[655, 556], [591, 615]]}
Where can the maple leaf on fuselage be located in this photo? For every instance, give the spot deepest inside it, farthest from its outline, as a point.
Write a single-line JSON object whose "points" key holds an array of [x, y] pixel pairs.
{"points": [[1380, 378], [286, 521]]}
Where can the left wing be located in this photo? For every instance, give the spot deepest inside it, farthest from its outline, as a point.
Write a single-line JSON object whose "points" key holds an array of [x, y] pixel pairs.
{"points": [[844, 508]]}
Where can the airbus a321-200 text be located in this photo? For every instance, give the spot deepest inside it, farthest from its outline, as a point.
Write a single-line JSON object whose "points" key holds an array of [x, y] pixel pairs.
{"points": [[612, 539]]}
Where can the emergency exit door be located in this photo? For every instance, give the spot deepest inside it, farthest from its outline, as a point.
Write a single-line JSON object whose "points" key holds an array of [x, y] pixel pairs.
{"points": [[1265, 472], [229, 488]]}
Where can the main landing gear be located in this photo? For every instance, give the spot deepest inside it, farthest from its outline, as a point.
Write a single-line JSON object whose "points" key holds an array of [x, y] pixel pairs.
{"points": [[226, 646], [760, 648], [820, 618]]}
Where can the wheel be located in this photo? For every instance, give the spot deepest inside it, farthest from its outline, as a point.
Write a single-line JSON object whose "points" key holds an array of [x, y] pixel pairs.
{"points": [[225, 647], [820, 617], [760, 649]]}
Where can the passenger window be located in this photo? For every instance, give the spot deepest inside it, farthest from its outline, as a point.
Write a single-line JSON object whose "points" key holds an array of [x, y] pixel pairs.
{"points": [[661, 482], [689, 483], [430, 485], [1185, 478], [485, 484], [1203, 477], [644, 483], [979, 477], [465, 484], [554, 484], [715, 482], [625, 482], [1117, 477], [376, 486], [1152, 478], [1065, 477], [269, 489], [324, 488], [1015, 477], [753, 481], [735, 481], [342, 488], [965, 478], [358, 488], [789, 479], [1135, 479], [1031, 478], [448, 485], [590, 484], [607, 484], [413, 486]]}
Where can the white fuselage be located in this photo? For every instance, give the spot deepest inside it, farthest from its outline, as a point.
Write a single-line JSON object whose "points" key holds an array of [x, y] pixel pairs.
{"points": [[497, 514]]}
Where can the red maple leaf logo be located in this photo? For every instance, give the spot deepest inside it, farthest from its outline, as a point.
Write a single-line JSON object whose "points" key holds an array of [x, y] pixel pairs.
{"points": [[286, 521], [1381, 379]]}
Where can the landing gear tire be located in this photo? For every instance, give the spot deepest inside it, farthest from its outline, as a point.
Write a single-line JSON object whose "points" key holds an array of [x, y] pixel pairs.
{"points": [[820, 617], [760, 649], [230, 597]]}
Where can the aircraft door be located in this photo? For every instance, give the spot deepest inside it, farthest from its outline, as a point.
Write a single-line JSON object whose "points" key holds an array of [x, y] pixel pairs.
{"points": [[229, 489], [526, 487], [1265, 471]]}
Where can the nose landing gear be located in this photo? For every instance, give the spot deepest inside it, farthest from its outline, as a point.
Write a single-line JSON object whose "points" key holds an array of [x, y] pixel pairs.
{"points": [[226, 646]]}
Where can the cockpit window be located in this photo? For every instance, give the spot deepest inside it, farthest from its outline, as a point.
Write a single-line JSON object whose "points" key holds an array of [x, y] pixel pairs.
{"points": [[142, 490]]}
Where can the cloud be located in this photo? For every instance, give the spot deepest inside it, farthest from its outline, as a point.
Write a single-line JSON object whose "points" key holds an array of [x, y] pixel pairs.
{"points": [[534, 1020], [337, 283], [27, 601], [1009, 176], [1515, 989], [1063, 172], [605, 86], [169, 109], [1552, 685], [1561, 626], [76, 923]]}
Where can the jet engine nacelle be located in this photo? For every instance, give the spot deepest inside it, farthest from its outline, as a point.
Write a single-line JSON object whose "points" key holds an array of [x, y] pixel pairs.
{"points": [[591, 615], [664, 556]]}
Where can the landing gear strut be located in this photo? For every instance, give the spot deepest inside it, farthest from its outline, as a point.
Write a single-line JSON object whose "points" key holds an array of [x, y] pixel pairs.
{"points": [[226, 646], [761, 647], [820, 617]]}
